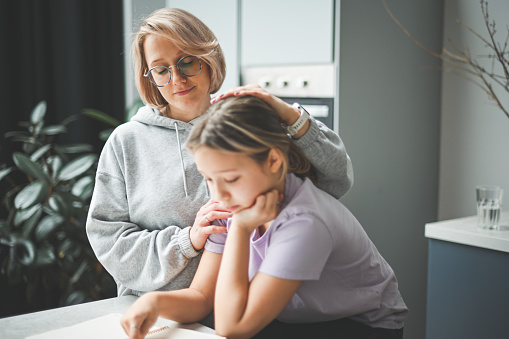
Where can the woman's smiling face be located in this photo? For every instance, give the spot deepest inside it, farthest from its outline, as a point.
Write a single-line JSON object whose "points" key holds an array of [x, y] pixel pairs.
{"points": [[187, 97]]}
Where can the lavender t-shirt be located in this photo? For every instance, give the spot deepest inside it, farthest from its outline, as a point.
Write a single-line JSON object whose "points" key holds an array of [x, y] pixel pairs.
{"points": [[317, 240]]}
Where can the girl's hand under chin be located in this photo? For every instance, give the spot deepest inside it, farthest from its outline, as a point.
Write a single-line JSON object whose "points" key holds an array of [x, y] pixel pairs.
{"points": [[264, 209]]}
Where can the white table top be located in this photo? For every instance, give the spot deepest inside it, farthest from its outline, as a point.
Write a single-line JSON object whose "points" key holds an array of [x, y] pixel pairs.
{"points": [[22, 326], [465, 231]]}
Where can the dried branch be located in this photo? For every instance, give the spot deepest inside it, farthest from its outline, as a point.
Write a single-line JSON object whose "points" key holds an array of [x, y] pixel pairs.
{"points": [[463, 64]]}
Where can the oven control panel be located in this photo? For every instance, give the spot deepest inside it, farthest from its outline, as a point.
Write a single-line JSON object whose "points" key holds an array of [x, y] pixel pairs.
{"points": [[307, 81]]}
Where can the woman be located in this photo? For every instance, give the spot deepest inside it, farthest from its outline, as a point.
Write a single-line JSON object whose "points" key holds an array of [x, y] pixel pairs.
{"points": [[151, 210], [292, 252]]}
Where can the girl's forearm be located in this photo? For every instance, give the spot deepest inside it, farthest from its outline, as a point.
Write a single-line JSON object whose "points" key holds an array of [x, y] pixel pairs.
{"points": [[184, 306], [233, 282]]}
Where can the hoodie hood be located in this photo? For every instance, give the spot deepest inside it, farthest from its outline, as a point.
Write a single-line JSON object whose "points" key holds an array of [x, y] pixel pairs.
{"points": [[152, 116]]}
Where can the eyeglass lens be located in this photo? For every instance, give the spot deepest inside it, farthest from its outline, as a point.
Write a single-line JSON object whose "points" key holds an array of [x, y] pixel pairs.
{"points": [[188, 66]]}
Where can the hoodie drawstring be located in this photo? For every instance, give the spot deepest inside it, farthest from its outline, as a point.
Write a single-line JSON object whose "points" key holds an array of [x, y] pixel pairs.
{"points": [[181, 158]]}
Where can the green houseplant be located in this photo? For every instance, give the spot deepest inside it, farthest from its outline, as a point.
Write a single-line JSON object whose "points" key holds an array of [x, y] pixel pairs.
{"points": [[43, 243]]}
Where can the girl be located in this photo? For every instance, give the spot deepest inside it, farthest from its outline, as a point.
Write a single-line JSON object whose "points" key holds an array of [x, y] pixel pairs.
{"points": [[292, 252]]}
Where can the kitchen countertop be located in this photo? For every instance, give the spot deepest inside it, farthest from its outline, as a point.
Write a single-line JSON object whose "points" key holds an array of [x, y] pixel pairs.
{"points": [[30, 324], [465, 231]]}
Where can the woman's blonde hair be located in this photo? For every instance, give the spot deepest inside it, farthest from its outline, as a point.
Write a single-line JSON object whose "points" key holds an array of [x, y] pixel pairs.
{"points": [[190, 35], [249, 126]]}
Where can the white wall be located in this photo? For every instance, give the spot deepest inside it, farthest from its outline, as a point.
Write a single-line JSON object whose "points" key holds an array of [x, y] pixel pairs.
{"points": [[389, 120], [474, 147]]}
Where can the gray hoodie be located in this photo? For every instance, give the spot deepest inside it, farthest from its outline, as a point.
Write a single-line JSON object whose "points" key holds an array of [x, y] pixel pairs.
{"points": [[148, 191]]}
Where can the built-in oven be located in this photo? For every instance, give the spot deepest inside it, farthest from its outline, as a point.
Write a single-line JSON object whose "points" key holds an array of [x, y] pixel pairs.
{"points": [[312, 86]]}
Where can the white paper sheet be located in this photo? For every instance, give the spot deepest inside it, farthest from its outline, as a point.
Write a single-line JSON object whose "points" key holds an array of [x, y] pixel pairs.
{"points": [[108, 327]]}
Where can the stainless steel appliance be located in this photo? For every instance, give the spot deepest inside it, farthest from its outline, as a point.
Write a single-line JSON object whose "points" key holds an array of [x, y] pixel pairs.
{"points": [[313, 86]]}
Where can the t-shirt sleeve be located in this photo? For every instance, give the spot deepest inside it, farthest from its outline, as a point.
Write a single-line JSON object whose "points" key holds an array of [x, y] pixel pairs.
{"points": [[215, 242], [298, 249]]}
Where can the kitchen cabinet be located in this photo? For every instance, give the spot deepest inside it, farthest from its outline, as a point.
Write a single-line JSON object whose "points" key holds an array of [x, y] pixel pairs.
{"points": [[266, 32], [286, 32], [468, 280]]}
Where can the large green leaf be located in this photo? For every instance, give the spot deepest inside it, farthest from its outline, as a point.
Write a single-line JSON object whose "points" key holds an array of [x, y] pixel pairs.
{"points": [[76, 148], [5, 172], [39, 153], [77, 167], [60, 205], [23, 251], [23, 215], [47, 225], [38, 112], [16, 134], [55, 162], [83, 187], [54, 129], [26, 165], [105, 134], [69, 119], [22, 138], [101, 116], [34, 193]]}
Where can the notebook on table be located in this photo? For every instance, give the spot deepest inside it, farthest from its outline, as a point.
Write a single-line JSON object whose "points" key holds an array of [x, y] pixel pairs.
{"points": [[108, 327]]}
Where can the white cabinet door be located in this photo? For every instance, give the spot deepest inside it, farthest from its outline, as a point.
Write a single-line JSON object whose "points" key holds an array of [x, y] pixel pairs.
{"points": [[221, 16], [286, 32]]}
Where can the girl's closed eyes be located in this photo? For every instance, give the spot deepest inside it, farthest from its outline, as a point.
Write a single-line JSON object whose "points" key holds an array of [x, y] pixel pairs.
{"points": [[230, 181]]}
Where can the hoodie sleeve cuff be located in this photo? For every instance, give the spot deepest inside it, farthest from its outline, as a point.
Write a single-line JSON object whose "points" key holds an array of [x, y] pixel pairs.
{"points": [[185, 243], [310, 136]]}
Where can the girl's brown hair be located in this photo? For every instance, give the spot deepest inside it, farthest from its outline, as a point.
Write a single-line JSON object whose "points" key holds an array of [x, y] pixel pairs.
{"points": [[249, 126], [190, 35]]}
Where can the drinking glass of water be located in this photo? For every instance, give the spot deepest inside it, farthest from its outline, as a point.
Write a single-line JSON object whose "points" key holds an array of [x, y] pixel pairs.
{"points": [[489, 204]]}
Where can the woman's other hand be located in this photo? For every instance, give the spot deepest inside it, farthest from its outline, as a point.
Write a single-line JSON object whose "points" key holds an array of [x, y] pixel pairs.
{"points": [[202, 227], [288, 114], [141, 316]]}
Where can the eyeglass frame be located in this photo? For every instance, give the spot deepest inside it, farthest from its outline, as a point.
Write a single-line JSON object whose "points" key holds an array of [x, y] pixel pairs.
{"points": [[146, 75]]}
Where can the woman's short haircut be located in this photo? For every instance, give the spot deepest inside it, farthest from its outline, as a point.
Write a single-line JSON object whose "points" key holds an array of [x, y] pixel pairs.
{"points": [[190, 35]]}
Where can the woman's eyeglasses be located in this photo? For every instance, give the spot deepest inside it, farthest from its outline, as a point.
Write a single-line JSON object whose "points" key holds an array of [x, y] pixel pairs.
{"points": [[161, 75]]}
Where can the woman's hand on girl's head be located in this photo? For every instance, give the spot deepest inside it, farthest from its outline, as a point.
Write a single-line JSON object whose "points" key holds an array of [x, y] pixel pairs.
{"points": [[264, 209], [286, 112], [141, 316], [202, 227]]}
